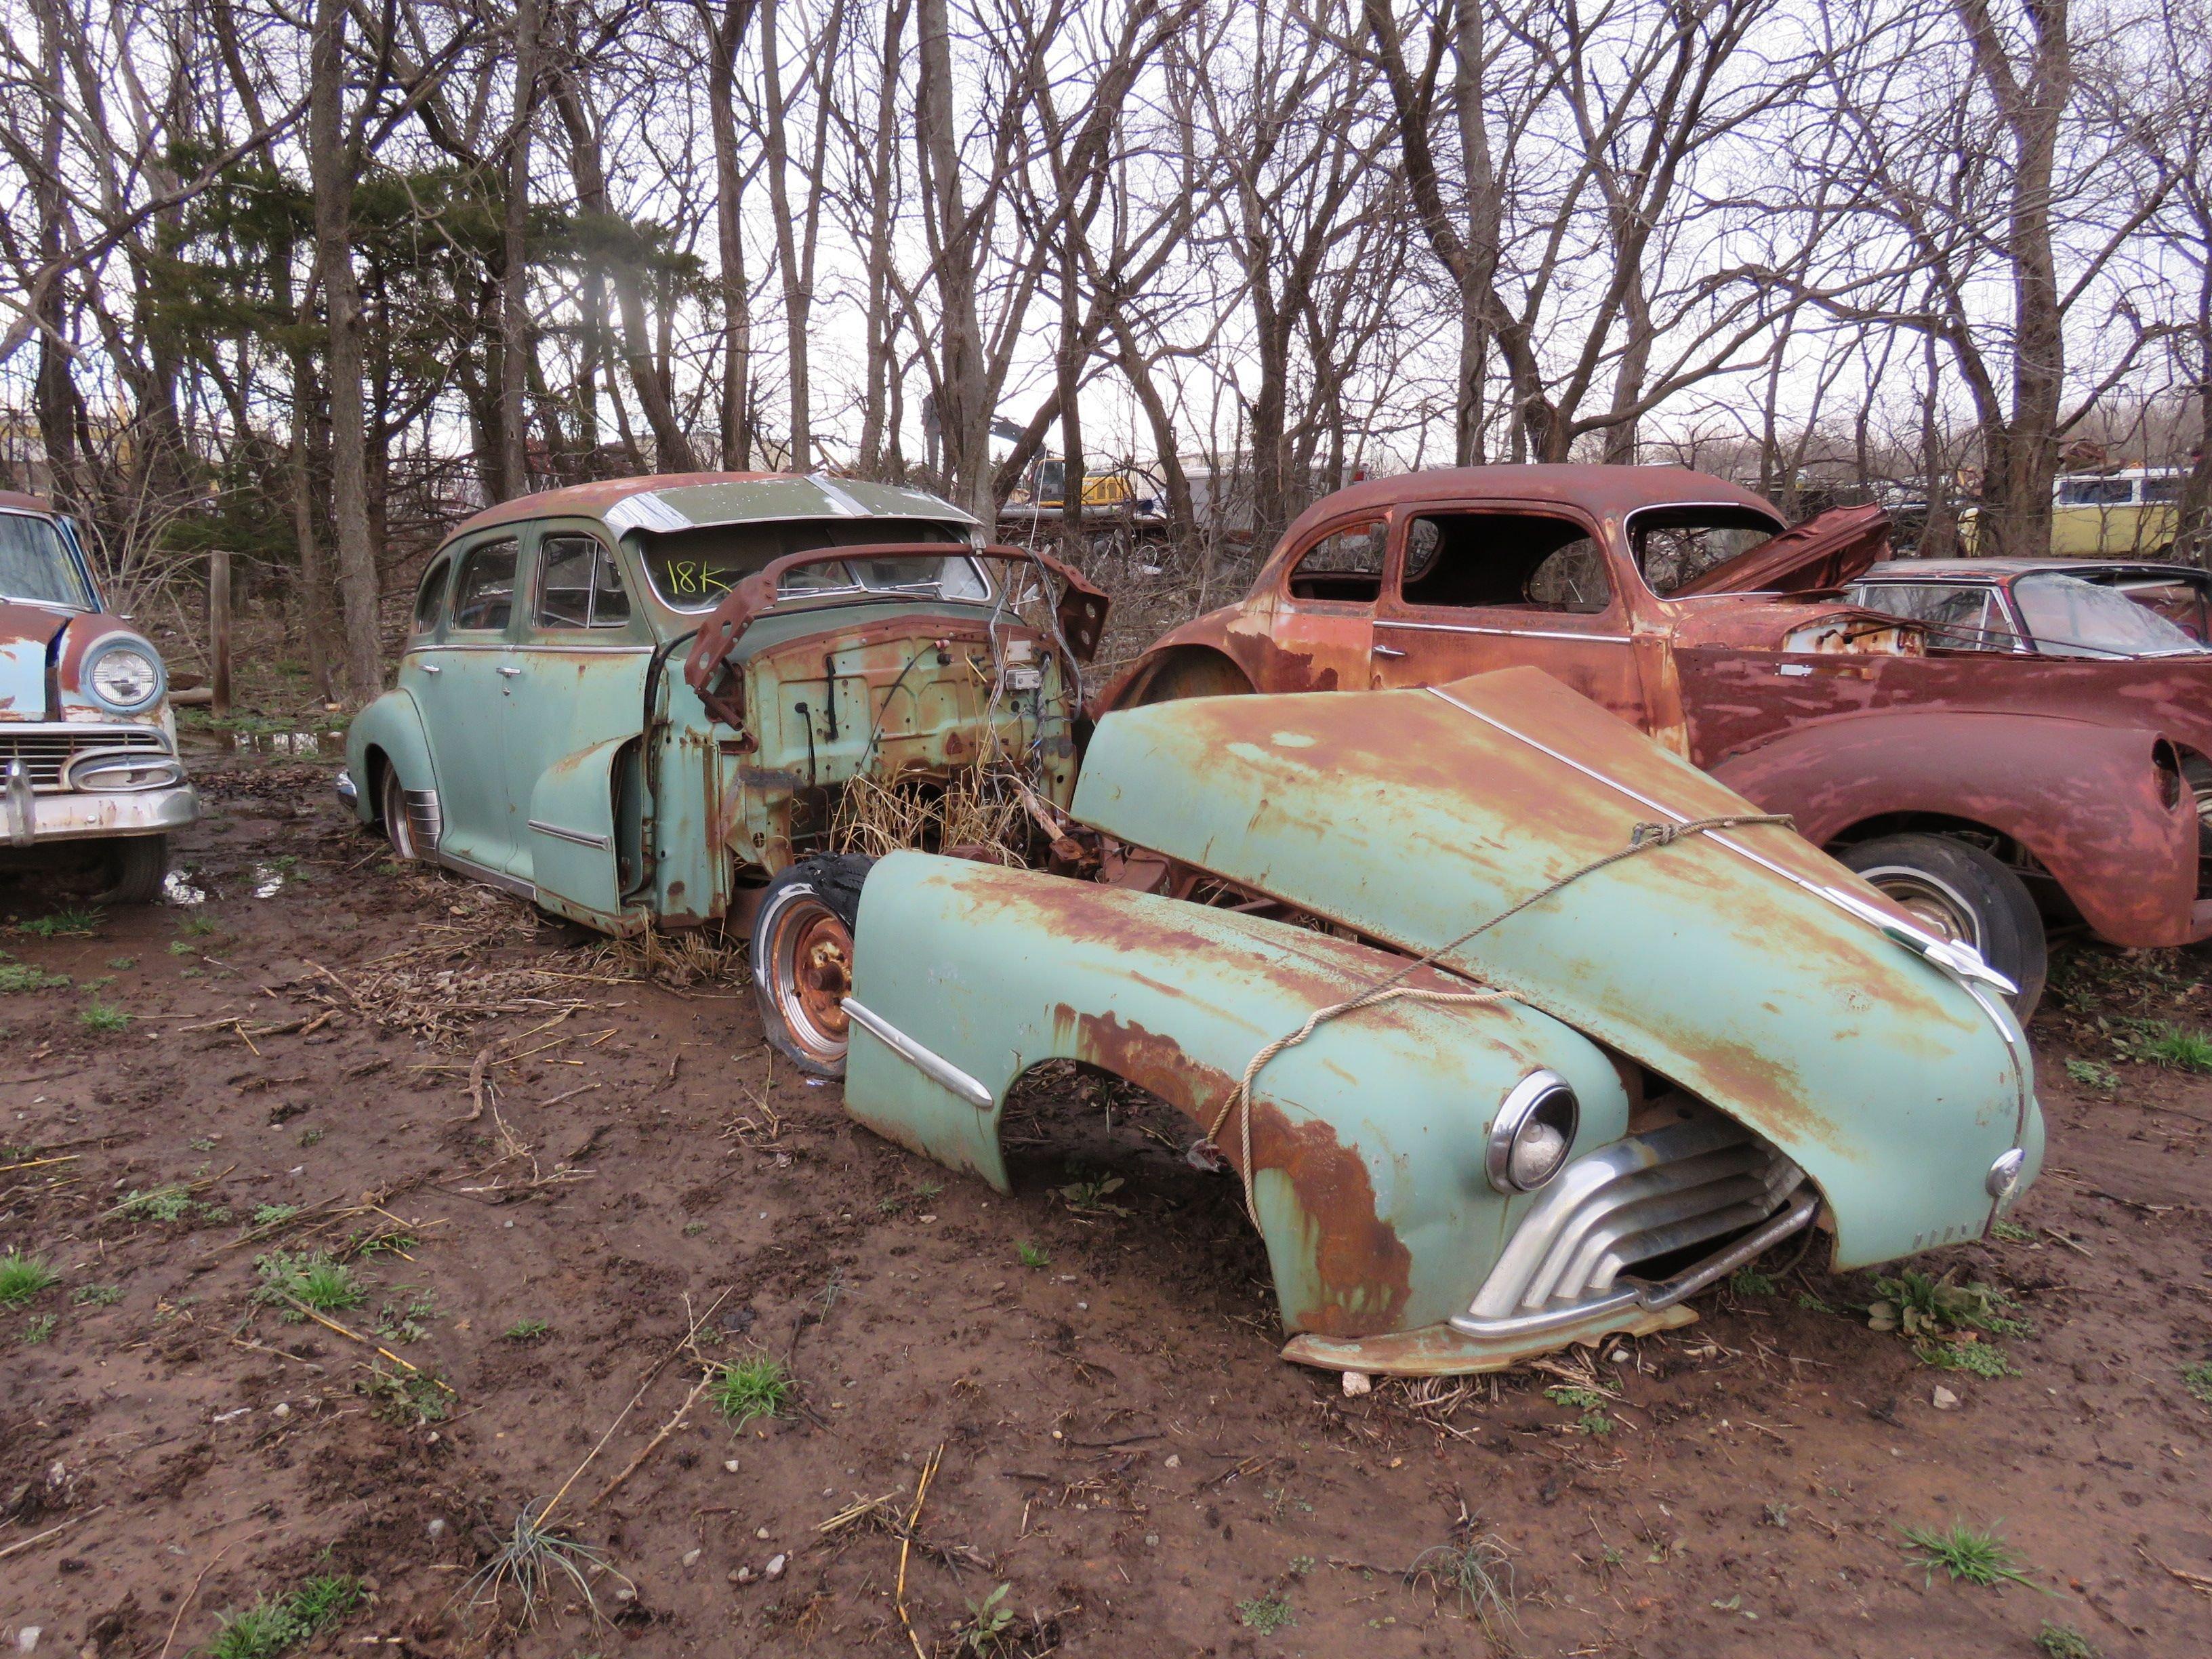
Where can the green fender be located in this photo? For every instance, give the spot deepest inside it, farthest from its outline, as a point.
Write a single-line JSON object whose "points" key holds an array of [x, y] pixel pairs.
{"points": [[390, 727], [1367, 1139]]}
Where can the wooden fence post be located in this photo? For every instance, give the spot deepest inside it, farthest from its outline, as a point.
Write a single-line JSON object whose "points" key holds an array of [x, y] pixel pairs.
{"points": [[219, 630]]}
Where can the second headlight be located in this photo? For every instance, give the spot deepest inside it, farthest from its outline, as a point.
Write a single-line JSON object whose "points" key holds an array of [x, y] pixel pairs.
{"points": [[1533, 1132]]}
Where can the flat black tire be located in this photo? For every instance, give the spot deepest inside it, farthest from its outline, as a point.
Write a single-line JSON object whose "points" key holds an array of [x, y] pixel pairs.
{"points": [[1955, 888], [802, 958]]}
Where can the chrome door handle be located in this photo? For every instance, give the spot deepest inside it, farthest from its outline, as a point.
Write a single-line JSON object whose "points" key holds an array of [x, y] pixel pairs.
{"points": [[431, 668], [510, 672], [1389, 651]]}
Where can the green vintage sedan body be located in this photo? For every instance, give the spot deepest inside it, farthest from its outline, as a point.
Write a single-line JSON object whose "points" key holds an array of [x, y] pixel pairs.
{"points": [[1572, 1050], [545, 735]]}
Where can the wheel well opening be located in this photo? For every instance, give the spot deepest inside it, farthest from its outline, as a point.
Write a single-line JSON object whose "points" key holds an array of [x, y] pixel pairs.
{"points": [[372, 786], [2005, 849], [1186, 670], [1097, 1164]]}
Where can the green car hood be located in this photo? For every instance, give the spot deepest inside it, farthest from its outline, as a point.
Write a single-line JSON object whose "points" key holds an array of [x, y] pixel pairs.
{"points": [[1746, 966]]}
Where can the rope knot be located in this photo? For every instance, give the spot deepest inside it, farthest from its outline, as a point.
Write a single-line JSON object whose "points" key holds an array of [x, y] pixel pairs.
{"points": [[1654, 835]]}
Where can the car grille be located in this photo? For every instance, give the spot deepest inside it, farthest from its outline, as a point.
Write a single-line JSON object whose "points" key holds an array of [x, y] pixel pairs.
{"points": [[45, 754], [1644, 1198]]}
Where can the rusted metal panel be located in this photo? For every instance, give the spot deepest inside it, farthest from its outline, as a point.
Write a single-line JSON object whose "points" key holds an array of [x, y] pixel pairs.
{"points": [[1720, 961], [1368, 1140]]}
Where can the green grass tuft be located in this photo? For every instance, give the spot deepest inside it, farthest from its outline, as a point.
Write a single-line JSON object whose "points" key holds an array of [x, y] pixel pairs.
{"points": [[169, 1203], [1985, 1359], [2176, 1047], [747, 1389], [1032, 1255], [269, 1628], [97, 1296], [1749, 1281], [22, 976], [2197, 1379], [1266, 1615], [39, 1329], [528, 1330], [1967, 1555], [104, 1017], [25, 1277], [2065, 1642], [322, 1284], [70, 922], [22, 1277], [2011, 1232]]}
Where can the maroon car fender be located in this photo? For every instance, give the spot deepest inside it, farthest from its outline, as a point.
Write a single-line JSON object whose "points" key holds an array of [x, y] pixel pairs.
{"points": [[2101, 807]]}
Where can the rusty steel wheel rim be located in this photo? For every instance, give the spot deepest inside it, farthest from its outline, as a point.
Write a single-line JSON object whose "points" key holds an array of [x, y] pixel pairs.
{"points": [[397, 828], [811, 959], [1935, 905]]}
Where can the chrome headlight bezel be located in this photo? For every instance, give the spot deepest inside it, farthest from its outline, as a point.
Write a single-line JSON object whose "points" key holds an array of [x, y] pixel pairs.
{"points": [[1543, 1103], [88, 684]]}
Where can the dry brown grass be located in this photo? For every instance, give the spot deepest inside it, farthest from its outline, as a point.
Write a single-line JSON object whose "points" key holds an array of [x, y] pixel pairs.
{"points": [[976, 809]]}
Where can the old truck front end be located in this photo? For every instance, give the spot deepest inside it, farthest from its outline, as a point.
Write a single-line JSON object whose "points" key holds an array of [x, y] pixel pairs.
{"points": [[1590, 1032], [90, 777]]}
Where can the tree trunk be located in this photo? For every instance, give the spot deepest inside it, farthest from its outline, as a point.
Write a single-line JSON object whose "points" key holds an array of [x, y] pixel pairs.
{"points": [[725, 37], [882, 326], [964, 404], [1073, 349], [514, 276], [331, 162], [56, 392]]}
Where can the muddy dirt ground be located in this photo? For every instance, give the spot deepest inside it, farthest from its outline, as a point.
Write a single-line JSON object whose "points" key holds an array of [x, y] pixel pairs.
{"points": [[1089, 1378]]}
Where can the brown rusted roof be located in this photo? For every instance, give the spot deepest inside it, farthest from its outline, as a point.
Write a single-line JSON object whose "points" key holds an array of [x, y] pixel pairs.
{"points": [[1608, 491], [21, 502], [591, 501]]}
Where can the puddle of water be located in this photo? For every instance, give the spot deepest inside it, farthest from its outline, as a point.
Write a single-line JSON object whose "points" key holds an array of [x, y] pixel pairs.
{"points": [[177, 889], [324, 744]]}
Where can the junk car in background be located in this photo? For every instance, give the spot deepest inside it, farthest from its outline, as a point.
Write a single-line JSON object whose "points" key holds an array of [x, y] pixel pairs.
{"points": [[1992, 797], [89, 779], [541, 737], [1517, 1029]]}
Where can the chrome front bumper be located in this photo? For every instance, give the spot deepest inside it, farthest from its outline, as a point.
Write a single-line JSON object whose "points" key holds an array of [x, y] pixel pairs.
{"points": [[31, 819], [347, 792]]}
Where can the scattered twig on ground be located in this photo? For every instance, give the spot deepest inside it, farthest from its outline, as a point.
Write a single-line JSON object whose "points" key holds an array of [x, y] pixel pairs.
{"points": [[654, 1444], [906, 1544], [74, 1521]]}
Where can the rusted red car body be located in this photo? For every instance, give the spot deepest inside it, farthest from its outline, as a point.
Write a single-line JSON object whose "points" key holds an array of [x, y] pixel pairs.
{"points": [[1857, 724]]}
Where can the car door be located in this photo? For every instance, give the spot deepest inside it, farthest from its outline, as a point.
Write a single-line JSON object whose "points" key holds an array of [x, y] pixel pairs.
{"points": [[1469, 590], [1324, 610], [469, 679], [573, 722]]}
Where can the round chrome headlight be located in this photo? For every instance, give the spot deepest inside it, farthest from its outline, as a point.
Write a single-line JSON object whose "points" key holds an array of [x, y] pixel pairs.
{"points": [[124, 677], [1532, 1133]]}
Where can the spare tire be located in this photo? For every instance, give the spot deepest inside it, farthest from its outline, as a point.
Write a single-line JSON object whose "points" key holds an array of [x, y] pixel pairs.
{"points": [[802, 958], [1954, 889]]}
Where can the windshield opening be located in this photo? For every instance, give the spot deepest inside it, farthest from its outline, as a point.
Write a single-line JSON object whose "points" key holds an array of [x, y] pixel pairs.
{"points": [[694, 569], [2071, 617], [1673, 545], [35, 564]]}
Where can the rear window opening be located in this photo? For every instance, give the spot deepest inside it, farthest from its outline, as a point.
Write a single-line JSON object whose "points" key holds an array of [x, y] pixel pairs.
{"points": [[1503, 561], [694, 569], [1674, 546]]}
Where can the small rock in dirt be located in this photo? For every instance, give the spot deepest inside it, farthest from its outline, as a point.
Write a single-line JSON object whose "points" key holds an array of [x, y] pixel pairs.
{"points": [[763, 1533], [626, 1594], [1151, 1540], [1944, 1398], [1618, 1357], [1174, 1461], [1357, 1383], [438, 1529], [729, 1464], [742, 1575], [691, 1558], [280, 1409], [27, 1637], [774, 1567]]}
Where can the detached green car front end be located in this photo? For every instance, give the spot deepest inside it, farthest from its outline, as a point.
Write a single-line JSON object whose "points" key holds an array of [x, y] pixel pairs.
{"points": [[1687, 1054]]}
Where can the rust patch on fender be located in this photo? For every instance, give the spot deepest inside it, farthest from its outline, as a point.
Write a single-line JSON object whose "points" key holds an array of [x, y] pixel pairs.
{"points": [[1363, 1271]]}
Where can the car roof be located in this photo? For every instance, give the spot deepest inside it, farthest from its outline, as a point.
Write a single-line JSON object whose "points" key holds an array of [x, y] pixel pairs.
{"points": [[684, 500], [15, 499], [1608, 491], [1914, 570]]}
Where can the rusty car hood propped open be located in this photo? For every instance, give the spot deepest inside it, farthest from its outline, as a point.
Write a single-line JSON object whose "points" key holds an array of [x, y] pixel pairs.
{"points": [[1719, 961], [1823, 552]]}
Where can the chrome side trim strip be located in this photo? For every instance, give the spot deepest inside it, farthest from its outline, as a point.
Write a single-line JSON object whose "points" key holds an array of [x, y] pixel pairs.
{"points": [[932, 1066], [486, 874], [579, 836], [1509, 633]]}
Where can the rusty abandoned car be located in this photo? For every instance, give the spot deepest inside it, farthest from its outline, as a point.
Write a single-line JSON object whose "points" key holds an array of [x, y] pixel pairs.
{"points": [[90, 783], [1475, 1116], [1992, 797]]}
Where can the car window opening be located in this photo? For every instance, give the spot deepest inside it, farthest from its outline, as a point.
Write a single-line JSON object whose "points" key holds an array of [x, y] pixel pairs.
{"points": [[579, 585], [1505, 560], [483, 594], [35, 564], [2071, 617], [695, 570], [430, 596], [1958, 617], [1344, 566], [1675, 545]]}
